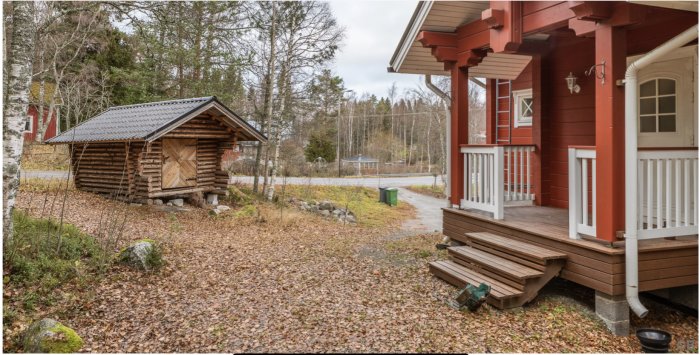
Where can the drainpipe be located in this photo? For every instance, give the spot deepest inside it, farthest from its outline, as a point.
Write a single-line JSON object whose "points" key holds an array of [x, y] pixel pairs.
{"points": [[631, 208], [446, 99]]}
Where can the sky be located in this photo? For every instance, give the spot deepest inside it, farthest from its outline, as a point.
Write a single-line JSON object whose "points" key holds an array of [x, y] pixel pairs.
{"points": [[372, 31]]}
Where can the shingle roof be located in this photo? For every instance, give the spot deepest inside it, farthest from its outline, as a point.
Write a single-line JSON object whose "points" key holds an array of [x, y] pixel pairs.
{"points": [[139, 122]]}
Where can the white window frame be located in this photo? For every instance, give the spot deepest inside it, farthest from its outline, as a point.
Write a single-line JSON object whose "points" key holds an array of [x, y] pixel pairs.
{"points": [[30, 120], [520, 121]]}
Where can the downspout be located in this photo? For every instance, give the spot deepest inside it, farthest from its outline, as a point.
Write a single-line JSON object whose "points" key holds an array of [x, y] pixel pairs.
{"points": [[446, 98], [631, 208]]}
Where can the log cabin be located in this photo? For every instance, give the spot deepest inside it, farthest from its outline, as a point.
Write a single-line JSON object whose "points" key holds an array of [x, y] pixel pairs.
{"points": [[158, 149], [590, 168]]}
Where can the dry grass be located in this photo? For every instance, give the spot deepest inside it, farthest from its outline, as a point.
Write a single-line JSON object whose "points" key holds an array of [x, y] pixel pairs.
{"points": [[437, 191], [300, 283]]}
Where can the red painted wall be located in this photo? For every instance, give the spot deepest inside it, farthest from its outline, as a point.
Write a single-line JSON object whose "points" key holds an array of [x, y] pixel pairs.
{"points": [[568, 119], [50, 129]]}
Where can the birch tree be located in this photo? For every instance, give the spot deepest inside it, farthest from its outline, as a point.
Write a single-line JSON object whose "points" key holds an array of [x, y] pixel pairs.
{"points": [[17, 100]]}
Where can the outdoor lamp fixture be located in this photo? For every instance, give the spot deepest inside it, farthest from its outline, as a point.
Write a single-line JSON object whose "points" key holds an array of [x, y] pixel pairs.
{"points": [[571, 83]]}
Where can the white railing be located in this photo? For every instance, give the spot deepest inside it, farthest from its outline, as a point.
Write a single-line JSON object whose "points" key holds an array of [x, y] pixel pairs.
{"points": [[667, 193], [518, 172], [582, 209], [483, 179]]}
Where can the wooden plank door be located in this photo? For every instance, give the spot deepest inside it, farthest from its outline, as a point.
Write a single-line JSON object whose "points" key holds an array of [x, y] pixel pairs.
{"points": [[179, 163]]}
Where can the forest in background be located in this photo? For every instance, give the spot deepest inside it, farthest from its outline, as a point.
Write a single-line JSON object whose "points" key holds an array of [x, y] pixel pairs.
{"points": [[270, 62]]}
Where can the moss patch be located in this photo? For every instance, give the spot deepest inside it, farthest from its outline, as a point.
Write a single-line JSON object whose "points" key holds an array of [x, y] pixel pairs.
{"points": [[64, 340]]}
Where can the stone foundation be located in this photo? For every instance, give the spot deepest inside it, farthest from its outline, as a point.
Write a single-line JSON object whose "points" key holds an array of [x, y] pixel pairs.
{"points": [[614, 311]]}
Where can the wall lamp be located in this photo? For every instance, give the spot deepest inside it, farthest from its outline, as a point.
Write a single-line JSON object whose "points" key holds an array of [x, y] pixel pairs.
{"points": [[598, 74], [571, 83]]}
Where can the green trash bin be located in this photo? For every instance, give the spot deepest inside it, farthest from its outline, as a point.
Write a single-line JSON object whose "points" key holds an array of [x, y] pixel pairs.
{"points": [[392, 196], [382, 194]]}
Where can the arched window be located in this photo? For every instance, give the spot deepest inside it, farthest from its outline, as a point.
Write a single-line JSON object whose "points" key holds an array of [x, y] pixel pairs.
{"points": [[657, 106]]}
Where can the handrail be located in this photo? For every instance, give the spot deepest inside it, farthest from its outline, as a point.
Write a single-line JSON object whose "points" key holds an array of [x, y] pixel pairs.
{"points": [[580, 220]]}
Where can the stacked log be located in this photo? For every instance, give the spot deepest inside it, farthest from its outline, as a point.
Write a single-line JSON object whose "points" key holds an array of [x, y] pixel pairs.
{"points": [[101, 167]]}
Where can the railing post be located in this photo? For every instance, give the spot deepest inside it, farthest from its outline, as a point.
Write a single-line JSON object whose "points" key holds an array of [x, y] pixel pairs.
{"points": [[498, 183], [574, 188]]}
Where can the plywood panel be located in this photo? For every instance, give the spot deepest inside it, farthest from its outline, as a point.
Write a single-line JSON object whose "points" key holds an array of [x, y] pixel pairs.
{"points": [[179, 163]]}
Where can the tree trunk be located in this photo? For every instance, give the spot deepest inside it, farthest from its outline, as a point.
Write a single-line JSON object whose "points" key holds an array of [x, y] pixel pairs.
{"points": [[270, 86], [15, 108]]}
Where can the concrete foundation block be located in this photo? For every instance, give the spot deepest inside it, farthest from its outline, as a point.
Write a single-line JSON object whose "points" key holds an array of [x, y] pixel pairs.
{"points": [[212, 199], [614, 311]]}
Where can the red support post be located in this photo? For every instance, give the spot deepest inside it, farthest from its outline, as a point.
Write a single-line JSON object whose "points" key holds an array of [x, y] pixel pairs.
{"points": [[459, 129], [610, 45]]}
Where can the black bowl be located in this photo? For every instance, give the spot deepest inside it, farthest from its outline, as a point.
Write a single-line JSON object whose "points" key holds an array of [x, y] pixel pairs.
{"points": [[654, 338]]}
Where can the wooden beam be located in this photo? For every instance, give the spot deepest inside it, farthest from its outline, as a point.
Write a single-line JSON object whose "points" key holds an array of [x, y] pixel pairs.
{"points": [[507, 37], [437, 39], [548, 18], [583, 28], [611, 46], [493, 18], [459, 129], [591, 10]]}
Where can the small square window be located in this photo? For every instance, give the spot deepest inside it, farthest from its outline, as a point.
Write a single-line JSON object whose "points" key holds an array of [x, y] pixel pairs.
{"points": [[524, 107]]}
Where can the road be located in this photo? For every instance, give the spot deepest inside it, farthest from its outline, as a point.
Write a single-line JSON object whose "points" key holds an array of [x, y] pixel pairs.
{"points": [[428, 209]]}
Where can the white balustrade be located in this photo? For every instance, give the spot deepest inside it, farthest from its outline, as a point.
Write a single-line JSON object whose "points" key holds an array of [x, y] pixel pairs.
{"points": [[518, 170], [483, 179], [667, 193], [582, 210]]}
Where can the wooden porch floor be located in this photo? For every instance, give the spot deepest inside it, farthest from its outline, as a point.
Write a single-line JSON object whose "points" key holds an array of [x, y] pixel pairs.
{"points": [[663, 262]]}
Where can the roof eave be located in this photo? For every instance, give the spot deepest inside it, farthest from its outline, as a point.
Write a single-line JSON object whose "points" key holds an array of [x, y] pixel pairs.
{"points": [[409, 35]]}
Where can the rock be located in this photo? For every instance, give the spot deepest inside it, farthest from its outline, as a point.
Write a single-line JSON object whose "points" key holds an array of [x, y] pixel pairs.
{"points": [[350, 218], [157, 201], [139, 255], [325, 213], [215, 212], [178, 202], [149, 202], [50, 336], [169, 204], [325, 205], [212, 199], [223, 208], [304, 206], [337, 212], [134, 204]]}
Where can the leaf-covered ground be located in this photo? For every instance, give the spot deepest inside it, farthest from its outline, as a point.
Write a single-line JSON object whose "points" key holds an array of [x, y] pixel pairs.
{"points": [[301, 283]]}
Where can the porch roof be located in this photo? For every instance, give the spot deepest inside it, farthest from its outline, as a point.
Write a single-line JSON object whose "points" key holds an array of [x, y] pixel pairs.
{"points": [[443, 16]]}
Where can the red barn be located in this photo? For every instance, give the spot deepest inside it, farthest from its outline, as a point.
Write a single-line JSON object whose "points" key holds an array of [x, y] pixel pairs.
{"points": [[31, 128]]}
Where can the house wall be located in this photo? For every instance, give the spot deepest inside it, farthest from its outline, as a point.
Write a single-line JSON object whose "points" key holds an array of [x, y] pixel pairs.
{"points": [[568, 119], [50, 129], [101, 167]]}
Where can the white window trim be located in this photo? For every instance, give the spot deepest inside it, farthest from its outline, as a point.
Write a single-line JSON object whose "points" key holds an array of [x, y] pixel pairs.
{"points": [[30, 120], [517, 96]]}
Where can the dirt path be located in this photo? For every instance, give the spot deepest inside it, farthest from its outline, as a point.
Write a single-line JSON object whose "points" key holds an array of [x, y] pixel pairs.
{"points": [[304, 284], [428, 212]]}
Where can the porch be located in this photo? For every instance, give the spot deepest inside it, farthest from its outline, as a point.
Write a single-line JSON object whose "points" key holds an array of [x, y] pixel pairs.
{"points": [[600, 265]]}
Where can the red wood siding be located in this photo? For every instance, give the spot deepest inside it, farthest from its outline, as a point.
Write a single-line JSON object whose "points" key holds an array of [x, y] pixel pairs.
{"points": [[568, 119], [50, 129]]}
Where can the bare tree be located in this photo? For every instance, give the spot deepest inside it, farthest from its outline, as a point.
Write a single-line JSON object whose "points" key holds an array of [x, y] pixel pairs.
{"points": [[15, 109]]}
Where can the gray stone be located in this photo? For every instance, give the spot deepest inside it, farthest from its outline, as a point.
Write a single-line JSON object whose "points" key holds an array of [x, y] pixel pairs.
{"points": [[157, 201], [325, 213], [325, 205], [212, 199], [304, 206], [178, 202], [149, 202], [50, 336], [350, 218], [169, 203], [614, 311], [223, 208], [137, 254], [337, 213]]}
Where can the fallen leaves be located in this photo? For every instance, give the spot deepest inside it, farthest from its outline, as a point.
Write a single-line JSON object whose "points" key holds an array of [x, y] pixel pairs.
{"points": [[305, 285]]}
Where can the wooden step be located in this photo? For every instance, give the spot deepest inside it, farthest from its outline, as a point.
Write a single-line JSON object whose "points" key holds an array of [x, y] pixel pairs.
{"points": [[514, 247], [494, 263], [501, 296]]}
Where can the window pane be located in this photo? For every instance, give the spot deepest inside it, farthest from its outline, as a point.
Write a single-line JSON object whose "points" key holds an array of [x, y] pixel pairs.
{"points": [[647, 124], [648, 88], [526, 107], [667, 86], [667, 123], [647, 106], [667, 104]]}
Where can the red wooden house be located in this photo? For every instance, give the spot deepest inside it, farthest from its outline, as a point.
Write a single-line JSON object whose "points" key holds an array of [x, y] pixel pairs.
{"points": [[590, 171], [31, 127]]}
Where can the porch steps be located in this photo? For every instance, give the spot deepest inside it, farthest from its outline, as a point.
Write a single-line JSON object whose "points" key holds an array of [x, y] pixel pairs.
{"points": [[515, 270]]}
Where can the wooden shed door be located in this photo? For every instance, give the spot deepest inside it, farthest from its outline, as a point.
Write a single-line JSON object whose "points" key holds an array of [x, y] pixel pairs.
{"points": [[179, 163]]}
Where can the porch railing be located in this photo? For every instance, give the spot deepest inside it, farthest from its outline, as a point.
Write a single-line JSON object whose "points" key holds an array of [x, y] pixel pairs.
{"points": [[667, 193], [582, 197], [495, 174]]}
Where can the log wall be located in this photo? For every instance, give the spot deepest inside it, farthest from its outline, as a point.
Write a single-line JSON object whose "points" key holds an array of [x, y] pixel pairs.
{"points": [[101, 168]]}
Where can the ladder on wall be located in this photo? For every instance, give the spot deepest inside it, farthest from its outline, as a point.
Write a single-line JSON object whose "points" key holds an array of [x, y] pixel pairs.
{"points": [[503, 116]]}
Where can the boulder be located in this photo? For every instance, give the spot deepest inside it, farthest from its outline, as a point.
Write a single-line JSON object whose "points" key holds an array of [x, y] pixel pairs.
{"points": [[178, 202], [223, 208], [304, 206], [212, 199], [325, 205], [325, 213], [139, 255], [337, 212], [50, 336], [157, 201], [350, 219]]}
